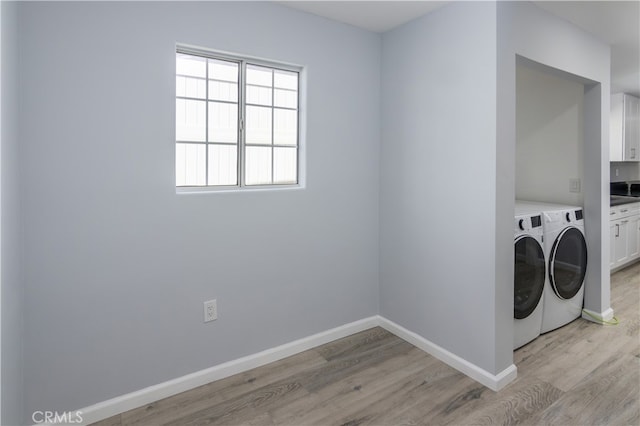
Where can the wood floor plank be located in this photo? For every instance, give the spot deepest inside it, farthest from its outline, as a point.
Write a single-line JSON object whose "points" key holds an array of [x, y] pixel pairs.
{"points": [[208, 395], [354, 362], [368, 411], [352, 388], [524, 400], [409, 400], [363, 394], [571, 365], [111, 421], [287, 369], [461, 399], [362, 341], [248, 406], [609, 396], [262, 419], [533, 356], [362, 408]]}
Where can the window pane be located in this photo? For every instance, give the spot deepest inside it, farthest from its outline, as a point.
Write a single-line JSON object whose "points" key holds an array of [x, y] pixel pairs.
{"points": [[190, 164], [258, 95], [190, 120], [223, 70], [193, 66], [285, 79], [258, 125], [285, 127], [260, 76], [285, 98], [223, 91], [208, 110], [223, 122], [223, 165], [257, 165], [190, 87], [285, 165]]}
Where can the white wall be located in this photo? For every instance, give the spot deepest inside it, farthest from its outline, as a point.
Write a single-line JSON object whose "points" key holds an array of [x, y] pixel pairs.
{"points": [[527, 31], [437, 275], [117, 265], [549, 136], [11, 236]]}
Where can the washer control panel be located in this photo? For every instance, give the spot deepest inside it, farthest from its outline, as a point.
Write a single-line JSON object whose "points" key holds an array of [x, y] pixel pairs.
{"points": [[527, 223]]}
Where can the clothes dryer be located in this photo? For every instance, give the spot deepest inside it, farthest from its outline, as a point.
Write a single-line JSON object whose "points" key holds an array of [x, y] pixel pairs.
{"points": [[565, 249], [529, 276]]}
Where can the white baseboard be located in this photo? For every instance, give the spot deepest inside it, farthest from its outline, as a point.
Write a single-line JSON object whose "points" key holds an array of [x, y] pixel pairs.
{"points": [[494, 382], [111, 407], [597, 317]]}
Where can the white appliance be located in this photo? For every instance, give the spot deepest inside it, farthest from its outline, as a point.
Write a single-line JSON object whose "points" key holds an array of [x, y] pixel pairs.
{"points": [[565, 249], [529, 276]]}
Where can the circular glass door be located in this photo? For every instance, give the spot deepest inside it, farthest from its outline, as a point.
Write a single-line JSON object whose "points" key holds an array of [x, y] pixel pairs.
{"points": [[529, 275], [568, 263]]}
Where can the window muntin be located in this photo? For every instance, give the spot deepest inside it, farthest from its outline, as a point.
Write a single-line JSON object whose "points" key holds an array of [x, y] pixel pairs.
{"points": [[236, 122]]}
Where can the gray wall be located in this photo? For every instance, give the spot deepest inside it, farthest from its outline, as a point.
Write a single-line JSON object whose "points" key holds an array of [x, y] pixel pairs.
{"points": [[437, 274], [626, 171], [11, 242], [117, 265], [553, 45], [549, 136]]}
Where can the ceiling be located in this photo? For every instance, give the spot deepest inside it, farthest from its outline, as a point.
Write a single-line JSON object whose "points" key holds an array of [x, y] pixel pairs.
{"points": [[376, 16], [615, 22]]}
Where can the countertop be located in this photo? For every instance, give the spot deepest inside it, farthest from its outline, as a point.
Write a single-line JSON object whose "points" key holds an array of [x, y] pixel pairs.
{"points": [[617, 200]]}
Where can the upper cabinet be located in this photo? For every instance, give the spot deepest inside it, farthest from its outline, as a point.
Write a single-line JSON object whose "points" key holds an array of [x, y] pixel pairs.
{"points": [[624, 140]]}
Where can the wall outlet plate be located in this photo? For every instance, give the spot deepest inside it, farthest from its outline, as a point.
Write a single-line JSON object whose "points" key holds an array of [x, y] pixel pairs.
{"points": [[210, 310], [574, 185]]}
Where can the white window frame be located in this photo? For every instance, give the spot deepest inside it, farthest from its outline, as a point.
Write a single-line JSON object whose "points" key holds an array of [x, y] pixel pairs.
{"points": [[243, 62]]}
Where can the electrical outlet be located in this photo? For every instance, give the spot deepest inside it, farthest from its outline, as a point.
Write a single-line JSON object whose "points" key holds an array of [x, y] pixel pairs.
{"points": [[210, 310], [574, 185]]}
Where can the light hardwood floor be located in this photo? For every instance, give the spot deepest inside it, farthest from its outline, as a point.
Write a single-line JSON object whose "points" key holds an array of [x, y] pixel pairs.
{"points": [[581, 374]]}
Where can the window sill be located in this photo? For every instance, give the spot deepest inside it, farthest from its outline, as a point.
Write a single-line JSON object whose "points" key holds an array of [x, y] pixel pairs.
{"points": [[185, 190]]}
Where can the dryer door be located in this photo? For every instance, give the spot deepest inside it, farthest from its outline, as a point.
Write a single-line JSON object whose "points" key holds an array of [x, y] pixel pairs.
{"points": [[568, 263], [529, 275]]}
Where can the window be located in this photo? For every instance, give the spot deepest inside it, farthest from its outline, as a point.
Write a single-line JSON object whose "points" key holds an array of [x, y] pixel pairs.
{"points": [[236, 122]]}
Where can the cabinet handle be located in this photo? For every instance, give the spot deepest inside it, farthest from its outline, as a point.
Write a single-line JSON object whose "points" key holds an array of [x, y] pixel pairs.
{"points": [[617, 230], [624, 221], [624, 211], [633, 153]]}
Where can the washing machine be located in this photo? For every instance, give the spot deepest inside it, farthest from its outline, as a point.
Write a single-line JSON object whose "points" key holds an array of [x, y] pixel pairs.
{"points": [[529, 276], [565, 249]]}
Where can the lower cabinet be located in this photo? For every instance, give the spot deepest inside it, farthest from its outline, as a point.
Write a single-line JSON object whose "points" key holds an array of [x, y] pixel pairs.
{"points": [[624, 235]]}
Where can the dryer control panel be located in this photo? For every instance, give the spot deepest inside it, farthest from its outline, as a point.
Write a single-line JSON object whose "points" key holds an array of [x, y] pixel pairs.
{"points": [[528, 223]]}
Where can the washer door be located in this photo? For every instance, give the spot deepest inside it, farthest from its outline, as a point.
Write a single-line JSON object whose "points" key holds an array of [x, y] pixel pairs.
{"points": [[529, 275], [568, 263]]}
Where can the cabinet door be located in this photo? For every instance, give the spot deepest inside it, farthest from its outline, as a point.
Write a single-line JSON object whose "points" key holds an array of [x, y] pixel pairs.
{"points": [[631, 128], [616, 144], [612, 244], [620, 232], [633, 237]]}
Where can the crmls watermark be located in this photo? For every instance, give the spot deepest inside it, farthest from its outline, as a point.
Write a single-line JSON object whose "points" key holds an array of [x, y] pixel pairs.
{"points": [[54, 417]]}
